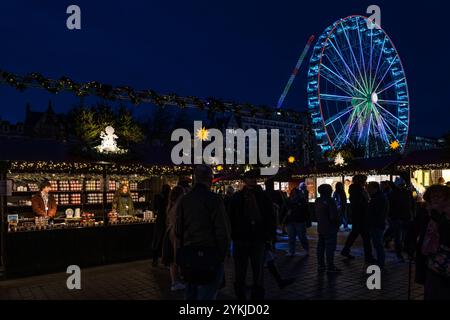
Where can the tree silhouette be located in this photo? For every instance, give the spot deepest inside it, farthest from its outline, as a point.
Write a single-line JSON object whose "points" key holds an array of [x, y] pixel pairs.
{"points": [[88, 122], [84, 124], [127, 127], [159, 127]]}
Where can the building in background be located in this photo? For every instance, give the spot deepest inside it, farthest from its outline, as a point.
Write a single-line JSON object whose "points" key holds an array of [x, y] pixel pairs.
{"points": [[37, 124], [416, 143], [47, 124], [295, 141], [7, 129]]}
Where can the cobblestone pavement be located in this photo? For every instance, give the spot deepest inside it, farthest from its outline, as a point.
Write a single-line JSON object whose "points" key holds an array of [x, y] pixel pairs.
{"points": [[139, 280]]}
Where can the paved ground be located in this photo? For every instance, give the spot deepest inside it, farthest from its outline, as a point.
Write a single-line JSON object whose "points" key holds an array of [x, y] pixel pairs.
{"points": [[138, 280]]}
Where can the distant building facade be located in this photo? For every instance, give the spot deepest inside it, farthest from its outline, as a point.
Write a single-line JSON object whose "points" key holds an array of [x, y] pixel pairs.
{"points": [[47, 124], [11, 130], [424, 143], [293, 135]]}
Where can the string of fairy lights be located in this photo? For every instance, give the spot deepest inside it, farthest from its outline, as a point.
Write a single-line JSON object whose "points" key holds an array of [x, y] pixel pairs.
{"points": [[434, 166], [117, 93], [95, 168]]}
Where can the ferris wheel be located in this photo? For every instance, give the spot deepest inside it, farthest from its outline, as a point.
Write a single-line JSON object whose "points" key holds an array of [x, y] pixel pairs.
{"points": [[357, 89]]}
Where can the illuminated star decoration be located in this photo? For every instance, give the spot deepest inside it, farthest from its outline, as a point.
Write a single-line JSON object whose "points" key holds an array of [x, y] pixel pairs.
{"points": [[339, 160], [291, 159], [202, 134], [395, 145], [219, 168]]}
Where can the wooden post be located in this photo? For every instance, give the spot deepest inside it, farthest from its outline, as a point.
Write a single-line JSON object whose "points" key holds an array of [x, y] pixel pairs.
{"points": [[3, 223], [105, 192]]}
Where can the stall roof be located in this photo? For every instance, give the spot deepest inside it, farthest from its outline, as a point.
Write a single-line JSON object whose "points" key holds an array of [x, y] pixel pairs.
{"points": [[231, 176], [34, 149], [31, 149], [356, 166], [379, 165], [436, 158]]}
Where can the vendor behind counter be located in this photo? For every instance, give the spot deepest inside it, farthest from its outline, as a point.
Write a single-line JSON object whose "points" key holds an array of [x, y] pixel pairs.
{"points": [[123, 202], [43, 203]]}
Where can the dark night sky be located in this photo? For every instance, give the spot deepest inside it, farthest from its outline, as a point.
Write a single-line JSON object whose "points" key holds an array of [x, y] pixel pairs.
{"points": [[235, 50]]}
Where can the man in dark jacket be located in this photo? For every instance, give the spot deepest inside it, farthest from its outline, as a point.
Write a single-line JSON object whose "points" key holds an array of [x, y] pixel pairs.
{"points": [[252, 228], [296, 219], [400, 214], [202, 222], [359, 200], [160, 206], [377, 213], [278, 201]]}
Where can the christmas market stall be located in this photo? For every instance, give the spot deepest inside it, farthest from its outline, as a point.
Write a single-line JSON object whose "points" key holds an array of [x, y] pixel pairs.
{"points": [[340, 170], [426, 168], [88, 222]]}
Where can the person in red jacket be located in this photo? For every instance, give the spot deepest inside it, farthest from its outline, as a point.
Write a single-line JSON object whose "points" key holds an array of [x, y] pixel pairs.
{"points": [[43, 203]]}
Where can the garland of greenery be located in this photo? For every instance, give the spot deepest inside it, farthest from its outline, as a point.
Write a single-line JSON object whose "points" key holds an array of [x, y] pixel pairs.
{"points": [[126, 93], [95, 168]]}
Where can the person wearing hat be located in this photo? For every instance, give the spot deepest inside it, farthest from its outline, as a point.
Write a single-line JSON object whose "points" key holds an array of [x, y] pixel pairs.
{"points": [[43, 203]]}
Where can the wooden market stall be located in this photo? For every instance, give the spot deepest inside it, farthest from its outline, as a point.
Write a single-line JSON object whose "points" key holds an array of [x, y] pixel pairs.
{"points": [[426, 167], [82, 232], [377, 169]]}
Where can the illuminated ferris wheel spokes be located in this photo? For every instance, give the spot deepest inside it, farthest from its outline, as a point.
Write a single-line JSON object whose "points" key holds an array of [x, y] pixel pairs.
{"points": [[357, 90]]}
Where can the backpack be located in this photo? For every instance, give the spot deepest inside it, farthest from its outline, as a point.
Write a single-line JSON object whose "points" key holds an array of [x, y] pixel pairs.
{"points": [[251, 209], [198, 264]]}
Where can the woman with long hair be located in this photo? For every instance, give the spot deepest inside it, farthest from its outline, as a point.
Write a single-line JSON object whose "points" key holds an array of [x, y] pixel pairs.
{"points": [[123, 202], [170, 243]]}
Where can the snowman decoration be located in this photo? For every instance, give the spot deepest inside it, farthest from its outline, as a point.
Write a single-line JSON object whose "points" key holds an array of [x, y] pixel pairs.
{"points": [[109, 143]]}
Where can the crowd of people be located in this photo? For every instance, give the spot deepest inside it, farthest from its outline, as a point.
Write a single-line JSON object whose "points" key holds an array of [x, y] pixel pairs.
{"points": [[198, 229]]}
